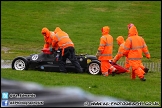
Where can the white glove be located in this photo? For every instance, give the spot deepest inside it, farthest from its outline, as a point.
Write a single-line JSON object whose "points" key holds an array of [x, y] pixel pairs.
{"points": [[98, 54]]}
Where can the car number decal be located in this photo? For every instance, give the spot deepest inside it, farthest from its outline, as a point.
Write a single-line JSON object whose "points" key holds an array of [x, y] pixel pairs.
{"points": [[81, 59], [35, 57]]}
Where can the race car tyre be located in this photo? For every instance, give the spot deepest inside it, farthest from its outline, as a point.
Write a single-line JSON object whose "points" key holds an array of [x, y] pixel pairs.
{"points": [[94, 68], [20, 63]]}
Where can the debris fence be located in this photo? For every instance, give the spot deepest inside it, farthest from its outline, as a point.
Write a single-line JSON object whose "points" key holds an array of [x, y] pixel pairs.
{"points": [[154, 67]]}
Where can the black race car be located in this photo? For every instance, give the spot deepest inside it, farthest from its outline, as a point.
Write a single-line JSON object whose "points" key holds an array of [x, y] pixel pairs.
{"points": [[46, 61]]}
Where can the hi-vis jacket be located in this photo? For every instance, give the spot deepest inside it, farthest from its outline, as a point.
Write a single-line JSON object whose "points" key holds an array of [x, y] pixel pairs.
{"points": [[121, 42], [58, 39], [135, 45], [106, 45], [47, 37], [61, 40]]}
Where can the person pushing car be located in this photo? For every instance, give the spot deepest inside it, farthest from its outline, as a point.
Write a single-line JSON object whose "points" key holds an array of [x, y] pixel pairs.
{"points": [[60, 40]]}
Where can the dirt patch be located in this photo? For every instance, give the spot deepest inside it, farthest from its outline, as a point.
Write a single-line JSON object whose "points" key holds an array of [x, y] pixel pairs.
{"points": [[100, 9], [5, 49], [5, 63]]}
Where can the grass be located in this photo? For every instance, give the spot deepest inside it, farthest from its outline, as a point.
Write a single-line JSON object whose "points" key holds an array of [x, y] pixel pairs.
{"points": [[119, 86], [22, 21]]}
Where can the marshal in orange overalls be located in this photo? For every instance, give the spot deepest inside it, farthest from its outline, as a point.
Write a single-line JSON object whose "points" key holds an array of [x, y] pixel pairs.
{"points": [[133, 48], [60, 41], [121, 42], [104, 53]]}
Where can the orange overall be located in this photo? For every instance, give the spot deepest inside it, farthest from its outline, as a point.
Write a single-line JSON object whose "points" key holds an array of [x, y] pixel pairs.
{"points": [[104, 53], [47, 37], [61, 40], [133, 48], [121, 42]]}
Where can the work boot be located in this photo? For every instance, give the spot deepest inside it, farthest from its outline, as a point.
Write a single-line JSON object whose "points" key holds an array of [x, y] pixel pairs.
{"points": [[105, 74], [146, 70], [114, 72], [143, 79]]}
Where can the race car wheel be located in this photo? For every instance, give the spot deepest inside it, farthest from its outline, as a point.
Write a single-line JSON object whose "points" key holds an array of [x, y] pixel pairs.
{"points": [[20, 63], [94, 68]]}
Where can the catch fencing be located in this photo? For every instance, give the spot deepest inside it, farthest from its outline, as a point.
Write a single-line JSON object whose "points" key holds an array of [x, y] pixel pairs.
{"points": [[154, 67]]}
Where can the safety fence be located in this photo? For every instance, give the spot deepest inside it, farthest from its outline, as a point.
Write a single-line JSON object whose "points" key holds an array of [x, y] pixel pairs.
{"points": [[153, 66]]}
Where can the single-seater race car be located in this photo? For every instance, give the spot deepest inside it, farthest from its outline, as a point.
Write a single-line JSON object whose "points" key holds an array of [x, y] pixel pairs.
{"points": [[47, 61]]}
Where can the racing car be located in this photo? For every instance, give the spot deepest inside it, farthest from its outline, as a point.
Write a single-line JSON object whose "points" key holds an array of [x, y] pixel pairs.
{"points": [[47, 61]]}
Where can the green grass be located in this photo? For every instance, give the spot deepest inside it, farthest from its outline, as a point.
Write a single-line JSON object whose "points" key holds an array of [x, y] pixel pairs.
{"points": [[119, 86], [21, 24]]}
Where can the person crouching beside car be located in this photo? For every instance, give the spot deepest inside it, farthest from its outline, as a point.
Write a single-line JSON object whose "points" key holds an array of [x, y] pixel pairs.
{"points": [[60, 40]]}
